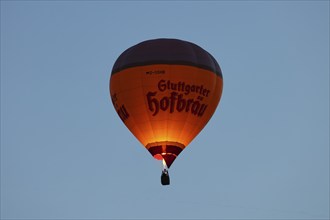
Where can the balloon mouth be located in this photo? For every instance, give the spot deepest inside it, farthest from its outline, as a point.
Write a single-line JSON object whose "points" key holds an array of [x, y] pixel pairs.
{"points": [[167, 151]]}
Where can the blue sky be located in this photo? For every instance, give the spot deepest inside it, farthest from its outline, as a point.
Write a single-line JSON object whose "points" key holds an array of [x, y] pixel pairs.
{"points": [[66, 154]]}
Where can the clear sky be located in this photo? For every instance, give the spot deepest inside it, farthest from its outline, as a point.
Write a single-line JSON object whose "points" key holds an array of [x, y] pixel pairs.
{"points": [[66, 154]]}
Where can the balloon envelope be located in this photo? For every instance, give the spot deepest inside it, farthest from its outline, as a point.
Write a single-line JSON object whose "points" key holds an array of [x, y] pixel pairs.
{"points": [[165, 91]]}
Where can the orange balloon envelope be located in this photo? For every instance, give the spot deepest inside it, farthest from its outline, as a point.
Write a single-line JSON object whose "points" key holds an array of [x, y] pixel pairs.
{"points": [[165, 91]]}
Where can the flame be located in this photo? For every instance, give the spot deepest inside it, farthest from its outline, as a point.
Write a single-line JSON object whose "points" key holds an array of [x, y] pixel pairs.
{"points": [[164, 165]]}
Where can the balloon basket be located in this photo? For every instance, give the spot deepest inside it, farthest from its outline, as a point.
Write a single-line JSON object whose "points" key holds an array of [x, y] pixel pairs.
{"points": [[165, 178]]}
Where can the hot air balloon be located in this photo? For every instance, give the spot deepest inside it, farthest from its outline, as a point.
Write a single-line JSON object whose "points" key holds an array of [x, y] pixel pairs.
{"points": [[165, 91]]}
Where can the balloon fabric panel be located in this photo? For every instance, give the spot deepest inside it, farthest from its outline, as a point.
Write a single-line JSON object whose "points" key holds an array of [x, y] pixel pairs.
{"points": [[161, 103]]}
